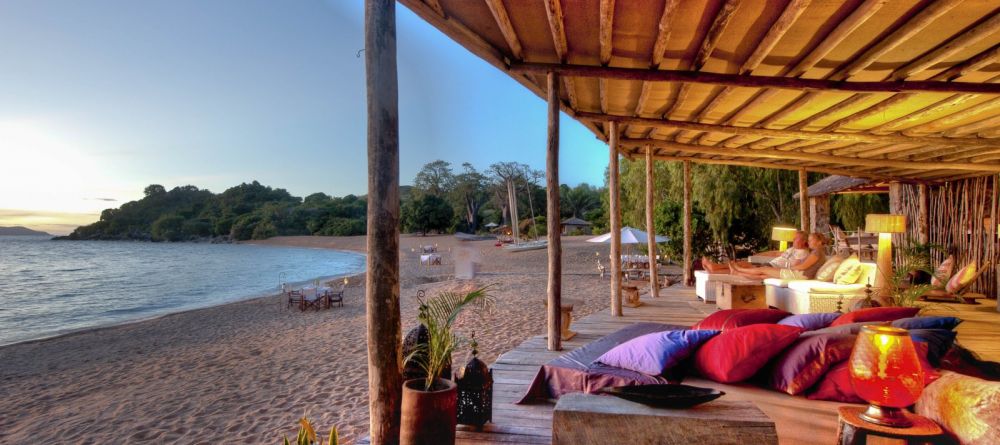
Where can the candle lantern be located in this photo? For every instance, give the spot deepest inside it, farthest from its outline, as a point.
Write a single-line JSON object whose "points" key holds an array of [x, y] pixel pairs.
{"points": [[885, 371], [475, 391]]}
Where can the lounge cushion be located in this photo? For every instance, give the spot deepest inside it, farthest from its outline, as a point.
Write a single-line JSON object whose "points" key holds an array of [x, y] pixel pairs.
{"points": [[967, 407], [655, 353], [949, 323], [810, 322], [803, 363], [876, 314], [848, 271], [734, 318], [961, 279], [943, 272], [827, 271], [938, 341], [836, 384], [824, 287], [737, 354], [849, 328]]}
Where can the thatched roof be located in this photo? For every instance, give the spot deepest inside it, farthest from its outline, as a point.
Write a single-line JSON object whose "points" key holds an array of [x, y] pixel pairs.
{"points": [[844, 184], [574, 221], [900, 89]]}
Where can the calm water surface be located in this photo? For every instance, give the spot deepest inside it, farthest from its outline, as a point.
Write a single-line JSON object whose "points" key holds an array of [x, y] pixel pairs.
{"points": [[53, 287]]}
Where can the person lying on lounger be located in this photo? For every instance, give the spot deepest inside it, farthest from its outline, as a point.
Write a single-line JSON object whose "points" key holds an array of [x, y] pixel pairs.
{"points": [[805, 270], [794, 255]]}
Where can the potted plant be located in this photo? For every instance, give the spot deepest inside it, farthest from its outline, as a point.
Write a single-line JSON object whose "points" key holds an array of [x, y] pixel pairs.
{"points": [[307, 435], [429, 404], [916, 258]]}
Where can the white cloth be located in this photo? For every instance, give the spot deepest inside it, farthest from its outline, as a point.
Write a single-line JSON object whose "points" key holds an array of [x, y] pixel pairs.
{"points": [[790, 257]]}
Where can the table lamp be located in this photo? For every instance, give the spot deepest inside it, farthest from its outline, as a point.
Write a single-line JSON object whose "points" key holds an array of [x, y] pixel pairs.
{"points": [[886, 372], [884, 225], [784, 235]]}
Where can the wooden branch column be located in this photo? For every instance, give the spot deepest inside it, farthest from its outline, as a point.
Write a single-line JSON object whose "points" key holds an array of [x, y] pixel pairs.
{"points": [[385, 382], [552, 217], [804, 199], [616, 224], [923, 214], [688, 273], [819, 214], [654, 285]]}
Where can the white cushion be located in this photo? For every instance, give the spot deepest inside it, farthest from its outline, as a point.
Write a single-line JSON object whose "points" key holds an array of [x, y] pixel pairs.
{"points": [[815, 286], [776, 282]]}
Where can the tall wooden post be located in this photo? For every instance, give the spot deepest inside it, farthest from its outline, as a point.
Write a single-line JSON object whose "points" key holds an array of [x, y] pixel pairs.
{"points": [[616, 224], [552, 217], [385, 382], [654, 285], [923, 214], [804, 199], [819, 214], [688, 272]]}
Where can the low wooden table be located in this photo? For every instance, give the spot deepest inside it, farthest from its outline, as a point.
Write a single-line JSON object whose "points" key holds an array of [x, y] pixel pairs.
{"points": [[630, 295], [565, 318], [749, 295], [591, 419], [852, 430]]}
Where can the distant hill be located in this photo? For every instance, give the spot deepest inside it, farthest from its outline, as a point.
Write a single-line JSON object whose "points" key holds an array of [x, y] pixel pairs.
{"points": [[20, 231]]}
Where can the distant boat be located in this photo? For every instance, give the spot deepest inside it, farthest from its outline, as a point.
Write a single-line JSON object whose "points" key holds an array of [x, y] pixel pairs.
{"points": [[529, 245], [462, 236]]}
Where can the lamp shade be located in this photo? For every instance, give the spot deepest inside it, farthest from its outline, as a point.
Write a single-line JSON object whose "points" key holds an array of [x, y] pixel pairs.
{"points": [[783, 233], [884, 223], [885, 370]]}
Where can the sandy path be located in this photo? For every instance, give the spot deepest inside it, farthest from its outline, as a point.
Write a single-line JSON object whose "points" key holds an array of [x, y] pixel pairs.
{"points": [[247, 371]]}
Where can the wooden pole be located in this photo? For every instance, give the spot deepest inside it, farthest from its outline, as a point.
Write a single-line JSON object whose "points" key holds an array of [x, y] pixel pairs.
{"points": [[688, 273], [654, 285], [616, 224], [385, 382], [923, 214], [803, 199], [552, 217]]}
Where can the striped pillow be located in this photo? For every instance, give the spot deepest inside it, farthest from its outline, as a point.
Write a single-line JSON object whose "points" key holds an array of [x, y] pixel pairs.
{"points": [[961, 279]]}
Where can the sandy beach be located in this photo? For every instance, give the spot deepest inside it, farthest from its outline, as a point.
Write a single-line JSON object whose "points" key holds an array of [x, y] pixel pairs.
{"points": [[247, 371]]}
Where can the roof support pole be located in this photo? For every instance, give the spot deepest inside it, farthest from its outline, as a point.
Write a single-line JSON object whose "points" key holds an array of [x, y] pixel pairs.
{"points": [[382, 316], [688, 272], [616, 224], [654, 285], [552, 217], [923, 214], [803, 199]]}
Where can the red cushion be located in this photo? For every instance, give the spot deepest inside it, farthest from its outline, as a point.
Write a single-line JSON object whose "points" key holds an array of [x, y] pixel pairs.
{"points": [[734, 318], [737, 354], [836, 384], [876, 314]]}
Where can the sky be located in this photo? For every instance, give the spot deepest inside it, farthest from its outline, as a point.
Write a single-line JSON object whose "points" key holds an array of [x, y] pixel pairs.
{"points": [[100, 98]]}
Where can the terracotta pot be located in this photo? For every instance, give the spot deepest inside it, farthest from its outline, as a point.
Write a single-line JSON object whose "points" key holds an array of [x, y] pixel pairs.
{"points": [[428, 417]]}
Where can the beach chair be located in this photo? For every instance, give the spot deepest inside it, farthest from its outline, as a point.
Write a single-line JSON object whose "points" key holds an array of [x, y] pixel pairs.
{"points": [[296, 299], [960, 295], [336, 296]]}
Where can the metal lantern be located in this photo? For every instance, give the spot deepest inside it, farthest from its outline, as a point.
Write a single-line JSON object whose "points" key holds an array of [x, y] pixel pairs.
{"points": [[475, 391]]}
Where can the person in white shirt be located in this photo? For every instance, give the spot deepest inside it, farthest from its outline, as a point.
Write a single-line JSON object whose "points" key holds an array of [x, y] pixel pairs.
{"points": [[794, 255]]}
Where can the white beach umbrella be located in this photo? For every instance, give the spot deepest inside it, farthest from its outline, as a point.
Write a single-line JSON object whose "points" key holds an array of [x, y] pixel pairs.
{"points": [[491, 225], [630, 235]]}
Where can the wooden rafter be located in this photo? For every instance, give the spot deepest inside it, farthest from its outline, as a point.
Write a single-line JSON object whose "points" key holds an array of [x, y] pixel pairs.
{"points": [[764, 164], [659, 49], [812, 157], [984, 29], [554, 14], [786, 134], [499, 12], [436, 6]]}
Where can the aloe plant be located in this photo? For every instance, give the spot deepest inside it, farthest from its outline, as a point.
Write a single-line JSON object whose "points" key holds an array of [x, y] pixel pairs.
{"points": [[307, 435], [438, 314]]}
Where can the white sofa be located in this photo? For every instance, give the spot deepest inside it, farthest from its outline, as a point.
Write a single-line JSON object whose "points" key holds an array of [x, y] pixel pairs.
{"points": [[810, 296], [704, 286]]}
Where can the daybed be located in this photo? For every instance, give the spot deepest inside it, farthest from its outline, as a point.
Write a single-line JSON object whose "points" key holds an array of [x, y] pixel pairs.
{"points": [[811, 296]]}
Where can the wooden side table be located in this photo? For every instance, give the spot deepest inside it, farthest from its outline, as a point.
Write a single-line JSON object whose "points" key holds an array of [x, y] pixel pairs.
{"points": [[630, 294], [735, 295], [565, 318], [853, 431]]}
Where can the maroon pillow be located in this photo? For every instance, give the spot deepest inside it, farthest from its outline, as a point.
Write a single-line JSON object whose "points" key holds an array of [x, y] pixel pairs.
{"points": [[734, 318], [836, 384], [876, 314], [803, 363], [737, 354]]}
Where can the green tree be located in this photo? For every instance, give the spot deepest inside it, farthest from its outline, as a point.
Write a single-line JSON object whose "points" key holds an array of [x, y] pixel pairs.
{"points": [[469, 194], [168, 228], [425, 213], [849, 210], [435, 178]]}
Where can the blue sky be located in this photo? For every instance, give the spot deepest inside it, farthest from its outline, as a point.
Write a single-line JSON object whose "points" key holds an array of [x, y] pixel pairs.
{"points": [[100, 98]]}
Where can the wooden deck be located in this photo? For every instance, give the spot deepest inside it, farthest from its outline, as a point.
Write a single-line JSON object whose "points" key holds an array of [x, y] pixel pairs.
{"points": [[532, 424]]}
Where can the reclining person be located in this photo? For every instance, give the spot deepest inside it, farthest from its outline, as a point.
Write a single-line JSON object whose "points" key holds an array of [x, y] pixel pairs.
{"points": [[794, 255], [803, 270]]}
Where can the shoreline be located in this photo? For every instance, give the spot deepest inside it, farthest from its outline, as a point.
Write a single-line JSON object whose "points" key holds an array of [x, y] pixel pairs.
{"points": [[248, 370]]}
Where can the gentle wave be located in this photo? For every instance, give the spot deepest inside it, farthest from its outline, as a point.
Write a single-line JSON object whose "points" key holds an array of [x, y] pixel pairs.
{"points": [[49, 288]]}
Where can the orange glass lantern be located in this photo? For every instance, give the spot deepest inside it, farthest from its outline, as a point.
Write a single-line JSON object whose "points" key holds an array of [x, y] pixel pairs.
{"points": [[886, 372]]}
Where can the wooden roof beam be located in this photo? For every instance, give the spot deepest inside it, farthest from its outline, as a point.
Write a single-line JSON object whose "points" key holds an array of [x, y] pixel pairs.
{"points": [[659, 49], [554, 14], [607, 20], [812, 157], [966, 129], [983, 30], [761, 164], [785, 134], [750, 81], [499, 12]]}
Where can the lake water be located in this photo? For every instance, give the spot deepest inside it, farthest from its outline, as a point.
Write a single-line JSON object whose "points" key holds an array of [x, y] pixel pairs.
{"points": [[53, 287]]}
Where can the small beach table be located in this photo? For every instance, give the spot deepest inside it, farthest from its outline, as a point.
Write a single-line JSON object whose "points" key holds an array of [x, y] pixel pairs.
{"points": [[315, 297], [430, 259]]}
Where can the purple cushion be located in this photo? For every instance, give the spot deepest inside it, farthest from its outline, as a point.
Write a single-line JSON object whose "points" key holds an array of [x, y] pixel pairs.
{"points": [[852, 328], [803, 363], [810, 322], [949, 323], [654, 353]]}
